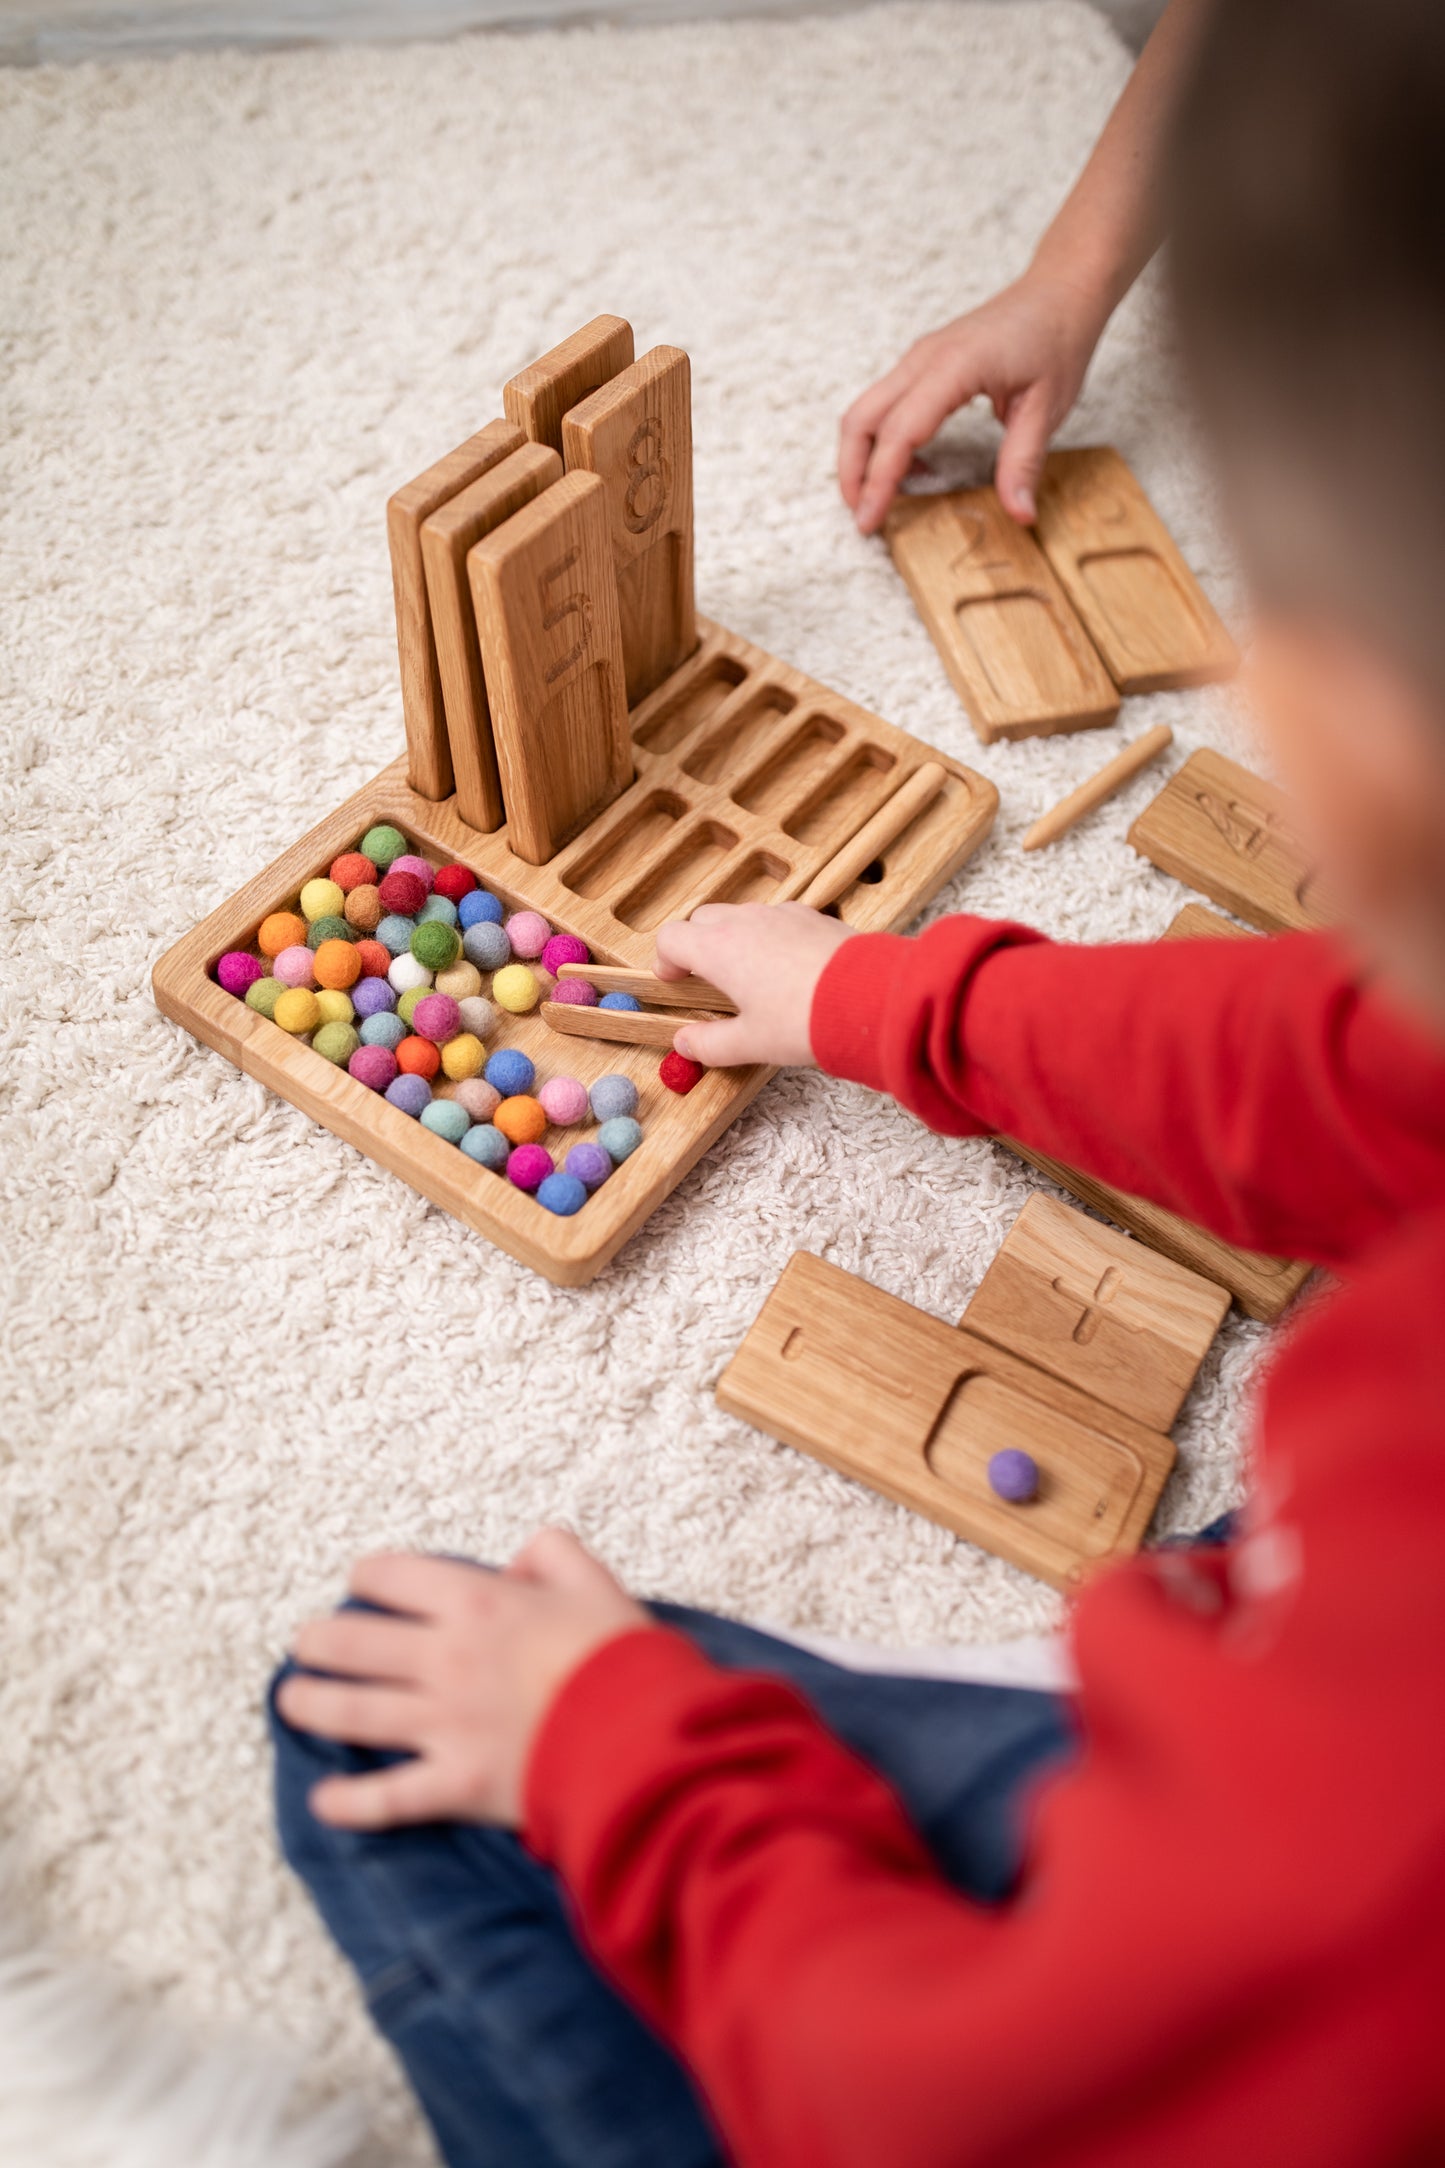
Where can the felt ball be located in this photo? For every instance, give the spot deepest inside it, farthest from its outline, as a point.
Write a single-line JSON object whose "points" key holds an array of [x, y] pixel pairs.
{"points": [[329, 929], [382, 845], [336, 963], [575, 993], [453, 881], [529, 1166], [296, 1011], [678, 1073], [295, 966], [588, 1163], [510, 1071], [1013, 1475], [374, 959], [394, 933], [462, 1056], [410, 1093], [405, 972], [335, 1007], [517, 989], [563, 948], [479, 1016], [282, 930], [562, 1194], [437, 1018], [371, 996], [480, 1098], [404, 892], [264, 995], [437, 911], [619, 1001], [238, 972], [487, 1146], [521, 1118], [479, 907], [418, 1057], [322, 899], [353, 870], [460, 980], [620, 1137], [383, 1029], [373, 1066], [446, 1119], [336, 1042], [363, 909], [528, 933], [406, 1007], [411, 862], [486, 946], [434, 945], [613, 1095], [564, 1100]]}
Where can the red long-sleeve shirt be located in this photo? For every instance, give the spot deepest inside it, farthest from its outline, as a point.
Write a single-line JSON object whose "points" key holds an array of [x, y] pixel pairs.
{"points": [[1228, 1946]]}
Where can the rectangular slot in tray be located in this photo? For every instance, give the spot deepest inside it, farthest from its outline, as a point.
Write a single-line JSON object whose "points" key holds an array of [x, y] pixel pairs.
{"points": [[627, 841], [777, 781], [733, 744], [703, 693], [756, 880], [844, 799], [676, 877]]}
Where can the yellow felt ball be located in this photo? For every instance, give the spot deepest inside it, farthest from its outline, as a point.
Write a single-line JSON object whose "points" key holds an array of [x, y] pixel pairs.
{"points": [[335, 1006], [516, 988], [323, 899], [297, 1010], [461, 981], [463, 1056]]}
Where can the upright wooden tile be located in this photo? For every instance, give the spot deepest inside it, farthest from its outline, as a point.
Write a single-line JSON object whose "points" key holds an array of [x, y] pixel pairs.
{"points": [[1018, 656], [452, 530], [1226, 832], [545, 596], [1099, 1310], [636, 433], [916, 1409], [536, 398], [1139, 602], [429, 760]]}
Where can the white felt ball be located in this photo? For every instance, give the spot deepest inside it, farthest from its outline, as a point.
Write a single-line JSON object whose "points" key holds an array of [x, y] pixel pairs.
{"points": [[478, 1015], [406, 972]]}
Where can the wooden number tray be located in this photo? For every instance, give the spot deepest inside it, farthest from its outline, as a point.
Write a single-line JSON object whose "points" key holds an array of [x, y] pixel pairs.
{"points": [[750, 776]]}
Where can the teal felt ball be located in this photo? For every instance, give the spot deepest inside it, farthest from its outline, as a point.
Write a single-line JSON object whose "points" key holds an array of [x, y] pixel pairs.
{"points": [[446, 1119], [487, 1146], [384, 1029], [620, 1137], [440, 908], [395, 932]]}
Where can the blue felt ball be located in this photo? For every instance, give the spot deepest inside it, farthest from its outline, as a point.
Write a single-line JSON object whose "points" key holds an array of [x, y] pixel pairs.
{"points": [[383, 1029], [509, 1072], [1014, 1475], [620, 1137], [446, 1119], [612, 1095], [410, 1093], [619, 1001], [394, 934], [438, 907], [486, 946], [562, 1194], [480, 908], [487, 1146]]}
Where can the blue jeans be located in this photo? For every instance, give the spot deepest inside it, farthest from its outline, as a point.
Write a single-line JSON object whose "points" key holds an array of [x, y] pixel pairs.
{"points": [[520, 2052]]}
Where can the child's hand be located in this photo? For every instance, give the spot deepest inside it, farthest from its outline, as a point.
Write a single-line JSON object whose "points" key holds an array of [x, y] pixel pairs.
{"points": [[1026, 350], [767, 958], [461, 1680]]}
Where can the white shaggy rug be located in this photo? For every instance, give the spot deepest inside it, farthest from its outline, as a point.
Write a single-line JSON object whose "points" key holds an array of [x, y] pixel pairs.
{"points": [[244, 298]]}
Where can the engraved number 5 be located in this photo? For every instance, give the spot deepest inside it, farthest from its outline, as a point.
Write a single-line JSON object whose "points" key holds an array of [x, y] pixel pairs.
{"points": [[575, 604]]}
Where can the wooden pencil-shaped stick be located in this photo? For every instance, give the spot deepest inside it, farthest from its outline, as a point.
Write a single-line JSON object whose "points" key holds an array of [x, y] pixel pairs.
{"points": [[1060, 818], [887, 825], [688, 993], [624, 1027]]}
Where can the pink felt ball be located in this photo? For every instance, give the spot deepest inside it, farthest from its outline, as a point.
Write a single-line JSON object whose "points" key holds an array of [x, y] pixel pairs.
{"points": [[238, 972], [529, 1165], [528, 933], [295, 966], [480, 1098], [580, 993], [564, 1101], [410, 863], [436, 1017], [373, 1066], [563, 948]]}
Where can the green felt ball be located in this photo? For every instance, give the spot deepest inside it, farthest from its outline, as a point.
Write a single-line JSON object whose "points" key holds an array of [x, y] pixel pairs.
{"points": [[264, 995], [329, 928], [409, 1000], [381, 845], [435, 945], [336, 1042]]}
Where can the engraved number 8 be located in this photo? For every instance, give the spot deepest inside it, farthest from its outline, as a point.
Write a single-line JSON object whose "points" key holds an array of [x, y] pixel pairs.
{"points": [[642, 471]]}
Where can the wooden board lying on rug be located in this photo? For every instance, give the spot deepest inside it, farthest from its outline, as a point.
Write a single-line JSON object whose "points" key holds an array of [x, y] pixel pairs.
{"points": [[1225, 831]]}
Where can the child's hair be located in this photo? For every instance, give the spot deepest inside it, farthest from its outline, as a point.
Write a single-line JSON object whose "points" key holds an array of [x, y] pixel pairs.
{"points": [[1307, 188]]}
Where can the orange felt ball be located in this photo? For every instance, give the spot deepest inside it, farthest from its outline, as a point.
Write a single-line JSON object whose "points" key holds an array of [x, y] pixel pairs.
{"points": [[375, 960], [353, 870], [336, 964], [418, 1057], [283, 929], [522, 1120]]}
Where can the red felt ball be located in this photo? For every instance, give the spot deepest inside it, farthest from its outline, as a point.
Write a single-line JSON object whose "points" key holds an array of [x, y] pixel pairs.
{"points": [[352, 870], [418, 1057], [375, 960], [454, 882], [403, 892], [678, 1073]]}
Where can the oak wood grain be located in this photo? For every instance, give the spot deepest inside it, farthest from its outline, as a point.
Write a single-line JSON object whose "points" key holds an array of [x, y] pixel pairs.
{"points": [[537, 397], [1227, 832]]}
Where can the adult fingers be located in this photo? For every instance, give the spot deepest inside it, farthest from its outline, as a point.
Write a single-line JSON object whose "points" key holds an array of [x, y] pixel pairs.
{"points": [[360, 1646], [726, 1044], [413, 1791], [1023, 451], [383, 1716]]}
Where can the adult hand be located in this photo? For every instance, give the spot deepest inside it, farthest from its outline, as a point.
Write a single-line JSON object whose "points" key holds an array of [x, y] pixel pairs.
{"points": [[767, 958]]}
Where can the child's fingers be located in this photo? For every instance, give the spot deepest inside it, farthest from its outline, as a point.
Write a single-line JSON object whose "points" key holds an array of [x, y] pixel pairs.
{"points": [[675, 953], [413, 1791], [859, 426], [917, 416], [727, 1044], [411, 1582], [1022, 453], [381, 1716], [361, 1646]]}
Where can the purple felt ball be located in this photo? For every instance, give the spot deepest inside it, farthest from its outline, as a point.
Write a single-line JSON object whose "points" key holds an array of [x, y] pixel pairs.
{"points": [[373, 1066], [410, 1093], [563, 948], [372, 997], [564, 1101], [1014, 1475], [577, 993], [410, 863], [295, 966], [436, 1017], [238, 972], [589, 1163], [529, 1166], [528, 933]]}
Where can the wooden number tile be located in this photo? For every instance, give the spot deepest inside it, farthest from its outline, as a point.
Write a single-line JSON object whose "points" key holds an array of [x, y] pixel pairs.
{"points": [[429, 760], [1096, 1308], [545, 595], [446, 538], [1019, 659], [636, 432], [1141, 605], [1227, 832], [536, 398], [916, 1408]]}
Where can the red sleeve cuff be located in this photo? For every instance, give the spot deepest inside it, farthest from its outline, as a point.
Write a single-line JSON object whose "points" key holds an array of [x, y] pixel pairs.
{"points": [[846, 1022]]}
